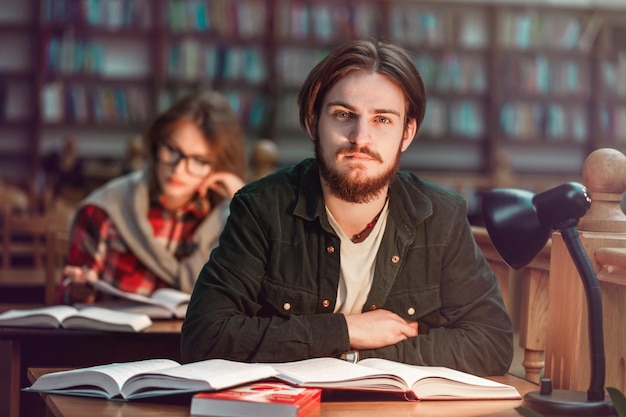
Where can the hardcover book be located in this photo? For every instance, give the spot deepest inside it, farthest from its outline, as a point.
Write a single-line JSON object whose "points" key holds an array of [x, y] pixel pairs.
{"points": [[261, 399]]}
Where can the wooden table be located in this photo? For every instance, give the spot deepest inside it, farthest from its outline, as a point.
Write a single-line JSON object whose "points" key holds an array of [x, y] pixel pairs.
{"points": [[338, 404], [21, 348]]}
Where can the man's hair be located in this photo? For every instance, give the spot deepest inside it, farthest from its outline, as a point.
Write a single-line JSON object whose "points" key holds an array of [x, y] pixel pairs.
{"points": [[212, 113], [373, 56]]}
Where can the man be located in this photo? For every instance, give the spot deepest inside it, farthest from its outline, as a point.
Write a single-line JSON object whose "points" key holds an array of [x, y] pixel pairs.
{"points": [[345, 254]]}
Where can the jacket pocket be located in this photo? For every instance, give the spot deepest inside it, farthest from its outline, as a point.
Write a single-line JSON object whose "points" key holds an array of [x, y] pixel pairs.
{"points": [[421, 304], [283, 301]]}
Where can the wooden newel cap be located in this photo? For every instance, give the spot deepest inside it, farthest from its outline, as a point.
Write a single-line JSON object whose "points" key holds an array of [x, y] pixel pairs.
{"points": [[604, 175]]}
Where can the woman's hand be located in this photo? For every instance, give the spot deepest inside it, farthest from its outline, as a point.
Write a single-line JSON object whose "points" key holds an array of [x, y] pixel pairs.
{"points": [[224, 183], [77, 282]]}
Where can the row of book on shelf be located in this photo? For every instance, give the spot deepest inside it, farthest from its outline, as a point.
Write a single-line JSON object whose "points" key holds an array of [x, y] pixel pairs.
{"points": [[552, 122], [541, 74], [245, 19], [194, 59], [75, 102], [326, 21], [80, 103], [111, 14], [219, 387]]}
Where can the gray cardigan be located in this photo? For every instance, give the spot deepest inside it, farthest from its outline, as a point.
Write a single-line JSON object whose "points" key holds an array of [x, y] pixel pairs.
{"points": [[126, 202]]}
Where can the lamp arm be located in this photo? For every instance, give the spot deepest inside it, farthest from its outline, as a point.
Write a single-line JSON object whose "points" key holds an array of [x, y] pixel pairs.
{"points": [[594, 309]]}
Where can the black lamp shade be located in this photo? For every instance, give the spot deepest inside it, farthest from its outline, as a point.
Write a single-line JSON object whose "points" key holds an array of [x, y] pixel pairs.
{"points": [[513, 225], [519, 222]]}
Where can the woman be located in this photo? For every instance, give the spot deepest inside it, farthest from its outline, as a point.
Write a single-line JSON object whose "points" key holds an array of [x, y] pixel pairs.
{"points": [[156, 227]]}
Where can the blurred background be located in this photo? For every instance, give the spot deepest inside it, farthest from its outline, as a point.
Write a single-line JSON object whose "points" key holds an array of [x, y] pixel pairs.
{"points": [[520, 92]]}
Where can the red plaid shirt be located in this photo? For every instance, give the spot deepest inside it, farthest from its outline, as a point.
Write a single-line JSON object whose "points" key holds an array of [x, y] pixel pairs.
{"points": [[96, 243]]}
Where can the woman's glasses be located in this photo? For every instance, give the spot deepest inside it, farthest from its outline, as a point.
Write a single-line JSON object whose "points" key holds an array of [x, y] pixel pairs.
{"points": [[195, 165]]}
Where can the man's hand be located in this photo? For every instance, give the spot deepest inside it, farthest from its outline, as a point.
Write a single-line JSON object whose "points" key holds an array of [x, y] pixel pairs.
{"points": [[378, 328]]}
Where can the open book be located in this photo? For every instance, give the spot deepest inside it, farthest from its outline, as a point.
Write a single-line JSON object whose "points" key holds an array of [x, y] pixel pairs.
{"points": [[416, 382], [68, 317], [150, 378], [164, 303], [159, 377]]}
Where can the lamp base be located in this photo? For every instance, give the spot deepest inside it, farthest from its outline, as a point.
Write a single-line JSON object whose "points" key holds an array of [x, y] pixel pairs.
{"points": [[568, 403]]}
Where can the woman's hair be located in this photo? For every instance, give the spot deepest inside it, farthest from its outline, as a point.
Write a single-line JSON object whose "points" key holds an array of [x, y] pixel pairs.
{"points": [[362, 55], [220, 126]]}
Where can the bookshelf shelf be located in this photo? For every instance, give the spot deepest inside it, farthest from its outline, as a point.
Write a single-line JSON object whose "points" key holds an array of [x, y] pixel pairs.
{"points": [[498, 75]]}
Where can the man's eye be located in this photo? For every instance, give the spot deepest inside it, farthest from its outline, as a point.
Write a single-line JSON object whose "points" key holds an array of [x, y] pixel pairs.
{"points": [[383, 119], [342, 114]]}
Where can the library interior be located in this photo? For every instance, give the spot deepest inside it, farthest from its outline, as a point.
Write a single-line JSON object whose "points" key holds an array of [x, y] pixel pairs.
{"points": [[520, 94]]}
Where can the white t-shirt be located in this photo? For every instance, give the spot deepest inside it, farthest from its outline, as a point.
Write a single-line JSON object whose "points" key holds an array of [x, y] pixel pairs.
{"points": [[358, 261]]}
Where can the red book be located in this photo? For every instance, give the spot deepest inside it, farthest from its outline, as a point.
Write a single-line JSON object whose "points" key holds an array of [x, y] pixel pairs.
{"points": [[261, 399]]}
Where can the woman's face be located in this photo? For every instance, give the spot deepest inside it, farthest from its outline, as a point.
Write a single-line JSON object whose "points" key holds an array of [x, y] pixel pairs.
{"points": [[184, 163]]}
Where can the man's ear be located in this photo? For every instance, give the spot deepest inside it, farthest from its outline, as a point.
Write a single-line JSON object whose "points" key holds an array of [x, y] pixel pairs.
{"points": [[409, 134]]}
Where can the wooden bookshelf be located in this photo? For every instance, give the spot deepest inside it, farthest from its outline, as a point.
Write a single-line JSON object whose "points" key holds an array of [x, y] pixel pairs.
{"points": [[544, 83]]}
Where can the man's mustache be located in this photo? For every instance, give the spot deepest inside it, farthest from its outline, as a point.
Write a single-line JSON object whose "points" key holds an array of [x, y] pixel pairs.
{"points": [[363, 150]]}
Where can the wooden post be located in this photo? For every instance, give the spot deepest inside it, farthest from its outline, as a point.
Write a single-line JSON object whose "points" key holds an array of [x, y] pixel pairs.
{"points": [[533, 308], [604, 226]]}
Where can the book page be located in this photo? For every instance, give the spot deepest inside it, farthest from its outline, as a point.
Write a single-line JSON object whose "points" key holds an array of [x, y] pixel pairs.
{"points": [[171, 298], [337, 373], [107, 288], [413, 373], [442, 382], [211, 374], [166, 297], [153, 311], [92, 317], [40, 317], [110, 377]]}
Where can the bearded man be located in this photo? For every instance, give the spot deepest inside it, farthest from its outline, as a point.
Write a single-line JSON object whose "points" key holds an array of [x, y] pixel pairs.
{"points": [[345, 255]]}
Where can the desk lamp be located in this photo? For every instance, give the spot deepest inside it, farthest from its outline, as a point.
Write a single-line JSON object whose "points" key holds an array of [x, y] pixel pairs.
{"points": [[519, 224]]}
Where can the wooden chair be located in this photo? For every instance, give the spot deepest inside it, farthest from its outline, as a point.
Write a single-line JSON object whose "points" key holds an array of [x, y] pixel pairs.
{"points": [[46, 234], [23, 234], [12, 200]]}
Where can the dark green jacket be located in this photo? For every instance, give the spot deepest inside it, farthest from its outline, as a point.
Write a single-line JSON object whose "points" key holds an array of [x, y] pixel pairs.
{"points": [[268, 292]]}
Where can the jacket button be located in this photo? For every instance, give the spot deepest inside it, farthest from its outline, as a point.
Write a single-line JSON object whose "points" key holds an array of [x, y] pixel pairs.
{"points": [[411, 311], [325, 303], [373, 307], [330, 249], [287, 306], [395, 259]]}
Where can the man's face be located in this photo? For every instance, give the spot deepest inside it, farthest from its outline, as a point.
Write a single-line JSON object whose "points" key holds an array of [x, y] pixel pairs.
{"points": [[360, 134]]}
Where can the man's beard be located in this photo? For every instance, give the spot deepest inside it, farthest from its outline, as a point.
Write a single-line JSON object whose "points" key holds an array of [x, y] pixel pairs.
{"points": [[355, 190]]}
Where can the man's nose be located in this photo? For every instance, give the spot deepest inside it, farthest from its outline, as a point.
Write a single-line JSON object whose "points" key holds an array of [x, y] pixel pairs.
{"points": [[361, 132]]}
